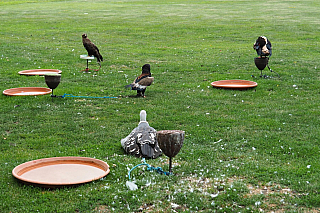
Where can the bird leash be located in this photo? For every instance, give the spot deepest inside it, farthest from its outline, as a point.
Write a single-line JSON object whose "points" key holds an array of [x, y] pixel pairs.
{"points": [[73, 96], [131, 185], [272, 70]]}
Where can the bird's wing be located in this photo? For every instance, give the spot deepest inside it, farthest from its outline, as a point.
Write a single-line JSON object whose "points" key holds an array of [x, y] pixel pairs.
{"points": [[147, 141], [90, 46], [129, 144], [269, 47], [140, 83], [147, 81], [95, 47]]}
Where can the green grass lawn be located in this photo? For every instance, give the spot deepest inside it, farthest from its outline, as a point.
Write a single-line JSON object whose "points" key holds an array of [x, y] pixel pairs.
{"points": [[244, 151]]}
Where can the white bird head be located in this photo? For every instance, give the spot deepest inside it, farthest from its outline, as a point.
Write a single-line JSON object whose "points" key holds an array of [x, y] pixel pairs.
{"points": [[143, 116]]}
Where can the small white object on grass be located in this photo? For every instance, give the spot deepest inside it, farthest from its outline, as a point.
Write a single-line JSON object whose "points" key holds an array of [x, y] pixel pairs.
{"points": [[131, 185]]}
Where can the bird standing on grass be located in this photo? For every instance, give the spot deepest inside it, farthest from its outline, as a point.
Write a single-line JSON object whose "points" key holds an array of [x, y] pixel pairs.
{"points": [[264, 50], [142, 141], [263, 47], [91, 48], [142, 81]]}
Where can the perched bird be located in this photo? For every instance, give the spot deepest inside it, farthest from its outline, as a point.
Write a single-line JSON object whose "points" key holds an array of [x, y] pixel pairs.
{"points": [[264, 51], [91, 48], [142, 141], [142, 81], [263, 46]]}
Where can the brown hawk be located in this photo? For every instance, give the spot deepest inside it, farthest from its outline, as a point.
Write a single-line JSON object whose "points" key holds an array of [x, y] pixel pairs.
{"points": [[91, 48]]}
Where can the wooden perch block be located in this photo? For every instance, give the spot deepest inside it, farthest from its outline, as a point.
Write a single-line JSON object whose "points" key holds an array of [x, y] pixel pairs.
{"points": [[170, 141], [52, 80], [261, 63]]}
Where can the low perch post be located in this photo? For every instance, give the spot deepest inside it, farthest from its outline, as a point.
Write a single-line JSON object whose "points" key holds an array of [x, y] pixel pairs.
{"points": [[170, 142]]}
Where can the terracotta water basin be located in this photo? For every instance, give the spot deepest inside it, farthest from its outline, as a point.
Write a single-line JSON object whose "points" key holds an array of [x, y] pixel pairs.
{"points": [[61, 171]]}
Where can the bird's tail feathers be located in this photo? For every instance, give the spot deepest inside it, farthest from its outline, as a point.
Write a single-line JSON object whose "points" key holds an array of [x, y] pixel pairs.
{"points": [[129, 85], [147, 150], [99, 58]]}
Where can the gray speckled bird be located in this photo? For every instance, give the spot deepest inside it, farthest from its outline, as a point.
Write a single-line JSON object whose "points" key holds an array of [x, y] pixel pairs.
{"points": [[142, 141]]}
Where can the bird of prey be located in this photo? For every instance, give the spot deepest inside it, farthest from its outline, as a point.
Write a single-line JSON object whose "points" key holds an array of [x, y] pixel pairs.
{"points": [[264, 51], [263, 47], [142, 81], [91, 48], [142, 141]]}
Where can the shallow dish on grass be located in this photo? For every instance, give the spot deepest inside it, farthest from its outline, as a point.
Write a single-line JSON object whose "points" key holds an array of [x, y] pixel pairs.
{"points": [[61, 171], [234, 84], [39, 72], [22, 91]]}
